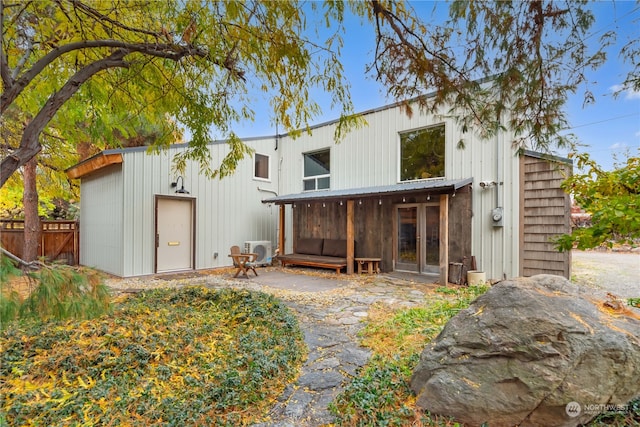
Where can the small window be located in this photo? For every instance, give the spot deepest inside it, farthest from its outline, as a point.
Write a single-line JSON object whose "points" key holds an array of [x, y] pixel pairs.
{"points": [[317, 170], [422, 153], [261, 169]]}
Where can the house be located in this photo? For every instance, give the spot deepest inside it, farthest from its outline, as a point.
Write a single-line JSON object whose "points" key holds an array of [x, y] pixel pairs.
{"points": [[401, 189]]}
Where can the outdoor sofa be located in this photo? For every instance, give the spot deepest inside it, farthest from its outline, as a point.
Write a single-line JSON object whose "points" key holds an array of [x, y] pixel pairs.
{"points": [[317, 252]]}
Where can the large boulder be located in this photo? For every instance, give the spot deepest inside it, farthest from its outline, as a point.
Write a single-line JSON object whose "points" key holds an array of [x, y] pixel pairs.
{"points": [[536, 351]]}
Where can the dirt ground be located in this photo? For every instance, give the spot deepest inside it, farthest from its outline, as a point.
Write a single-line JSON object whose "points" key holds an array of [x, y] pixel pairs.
{"points": [[615, 272]]}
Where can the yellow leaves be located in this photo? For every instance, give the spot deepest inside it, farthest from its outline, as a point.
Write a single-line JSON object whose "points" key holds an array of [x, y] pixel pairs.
{"points": [[479, 311], [89, 384], [23, 385], [65, 380], [155, 355]]}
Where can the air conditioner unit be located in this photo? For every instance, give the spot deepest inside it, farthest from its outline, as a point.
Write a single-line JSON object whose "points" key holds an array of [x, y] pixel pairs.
{"points": [[262, 248]]}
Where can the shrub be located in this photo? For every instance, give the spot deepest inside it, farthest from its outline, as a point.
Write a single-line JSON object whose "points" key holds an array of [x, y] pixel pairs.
{"points": [[184, 357]]}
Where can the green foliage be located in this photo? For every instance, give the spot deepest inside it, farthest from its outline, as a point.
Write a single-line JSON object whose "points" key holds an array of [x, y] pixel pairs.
{"points": [[381, 395], [634, 302], [378, 396], [532, 55], [200, 65], [613, 200], [54, 292], [195, 66], [10, 300], [7, 269], [184, 357]]}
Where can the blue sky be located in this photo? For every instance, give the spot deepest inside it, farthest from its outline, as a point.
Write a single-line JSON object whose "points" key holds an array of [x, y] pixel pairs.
{"points": [[606, 129]]}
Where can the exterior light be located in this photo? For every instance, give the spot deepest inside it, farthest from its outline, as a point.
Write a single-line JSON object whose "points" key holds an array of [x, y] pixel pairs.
{"points": [[180, 190]]}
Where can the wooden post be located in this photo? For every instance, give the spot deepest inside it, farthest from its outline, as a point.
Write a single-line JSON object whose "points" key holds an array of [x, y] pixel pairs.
{"points": [[281, 223], [350, 236], [444, 239], [76, 243]]}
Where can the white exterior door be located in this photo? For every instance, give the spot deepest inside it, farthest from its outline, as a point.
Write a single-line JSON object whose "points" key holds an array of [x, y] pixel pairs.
{"points": [[174, 234]]}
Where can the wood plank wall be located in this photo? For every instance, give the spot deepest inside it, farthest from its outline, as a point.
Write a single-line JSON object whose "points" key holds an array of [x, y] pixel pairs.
{"points": [[374, 224], [59, 240], [460, 232], [545, 212]]}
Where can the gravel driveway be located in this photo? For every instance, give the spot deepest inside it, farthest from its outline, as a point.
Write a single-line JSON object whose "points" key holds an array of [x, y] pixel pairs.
{"points": [[615, 272]]}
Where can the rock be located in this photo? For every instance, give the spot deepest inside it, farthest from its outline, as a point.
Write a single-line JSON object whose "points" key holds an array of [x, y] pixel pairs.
{"points": [[526, 352]]}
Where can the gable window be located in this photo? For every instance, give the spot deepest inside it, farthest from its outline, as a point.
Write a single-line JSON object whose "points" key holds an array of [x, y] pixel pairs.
{"points": [[422, 153], [261, 166], [316, 170]]}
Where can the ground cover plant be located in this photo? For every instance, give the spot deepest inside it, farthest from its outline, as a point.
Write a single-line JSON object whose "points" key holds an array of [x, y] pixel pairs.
{"points": [[165, 357], [381, 395]]}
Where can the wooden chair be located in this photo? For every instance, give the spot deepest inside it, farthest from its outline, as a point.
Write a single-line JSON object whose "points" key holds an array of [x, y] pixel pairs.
{"points": [[243, 261]]}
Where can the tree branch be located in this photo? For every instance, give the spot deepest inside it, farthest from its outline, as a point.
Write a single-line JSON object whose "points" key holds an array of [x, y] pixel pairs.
{"points": [[29, 144], [103, 18], [401, 30], [169, 51]]}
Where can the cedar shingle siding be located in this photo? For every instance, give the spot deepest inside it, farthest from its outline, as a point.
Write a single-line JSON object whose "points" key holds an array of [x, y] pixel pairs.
{"points": [[545, 213]]}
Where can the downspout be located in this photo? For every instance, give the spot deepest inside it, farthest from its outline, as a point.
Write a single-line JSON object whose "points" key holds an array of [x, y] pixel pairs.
{"points": [[499, 199], [268, 191]]}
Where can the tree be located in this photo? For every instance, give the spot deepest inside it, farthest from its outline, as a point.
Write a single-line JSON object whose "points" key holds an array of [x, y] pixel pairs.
{"points": [[200, 61], [496, 64], [613, 200], [190, 60], [73, 66]]}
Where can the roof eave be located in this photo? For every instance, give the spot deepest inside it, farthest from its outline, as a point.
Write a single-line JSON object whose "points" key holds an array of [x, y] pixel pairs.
{"points": [[93, 164], [369, 192]]}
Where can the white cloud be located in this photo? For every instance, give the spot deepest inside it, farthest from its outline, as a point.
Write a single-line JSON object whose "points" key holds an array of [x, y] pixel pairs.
{"points": [[632, 94], [629, 94]]}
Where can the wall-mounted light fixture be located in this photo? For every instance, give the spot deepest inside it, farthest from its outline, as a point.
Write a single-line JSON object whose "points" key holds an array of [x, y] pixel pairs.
{"points": [[180, 190]]}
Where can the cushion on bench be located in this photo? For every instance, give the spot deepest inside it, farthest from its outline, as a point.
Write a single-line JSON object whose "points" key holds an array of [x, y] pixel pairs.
{"points": [[335, 247], [309, 246]]}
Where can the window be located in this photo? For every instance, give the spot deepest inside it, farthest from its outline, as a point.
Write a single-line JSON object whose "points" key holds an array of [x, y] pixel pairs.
{"points": [[316, 170], [422, 153], [261, 166]]}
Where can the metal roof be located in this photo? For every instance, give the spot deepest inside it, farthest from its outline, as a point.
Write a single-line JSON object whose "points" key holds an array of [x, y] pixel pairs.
{"points": [[439, 185]]}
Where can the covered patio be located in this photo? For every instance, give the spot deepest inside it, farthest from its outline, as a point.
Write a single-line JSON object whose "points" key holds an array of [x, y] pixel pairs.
{"points": [[400, 224]]}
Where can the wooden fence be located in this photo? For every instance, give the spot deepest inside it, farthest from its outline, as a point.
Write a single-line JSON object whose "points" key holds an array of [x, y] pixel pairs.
{"points": [[59, 241]]}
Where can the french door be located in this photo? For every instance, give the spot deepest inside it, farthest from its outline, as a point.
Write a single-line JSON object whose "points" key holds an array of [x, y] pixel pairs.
{"points": [[418, 238]]}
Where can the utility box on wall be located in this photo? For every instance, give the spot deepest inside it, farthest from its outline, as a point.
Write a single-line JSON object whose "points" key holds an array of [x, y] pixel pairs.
{"points": [[497, 216]]}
